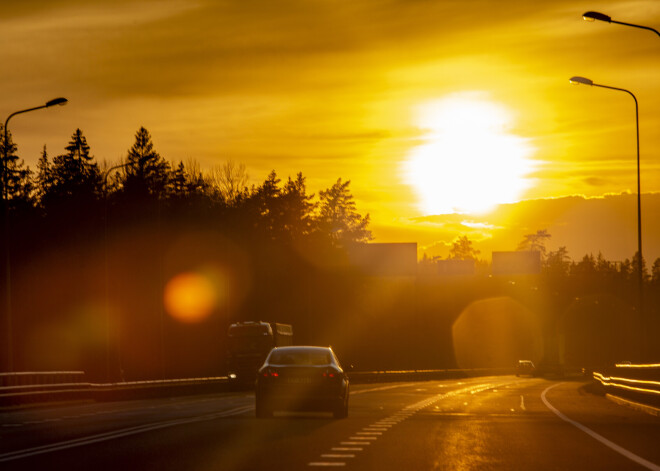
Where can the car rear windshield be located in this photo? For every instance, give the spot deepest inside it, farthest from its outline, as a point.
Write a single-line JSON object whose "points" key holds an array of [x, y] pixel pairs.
{"points": [[300, 357]]}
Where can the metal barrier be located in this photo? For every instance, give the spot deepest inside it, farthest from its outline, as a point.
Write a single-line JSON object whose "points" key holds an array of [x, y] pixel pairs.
{"points": [[635, 382], [39, 391], [25, 378], [18, 394]]}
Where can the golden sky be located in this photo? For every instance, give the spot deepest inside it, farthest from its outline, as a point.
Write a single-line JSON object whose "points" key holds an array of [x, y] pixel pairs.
{"points": [[384, 93]]}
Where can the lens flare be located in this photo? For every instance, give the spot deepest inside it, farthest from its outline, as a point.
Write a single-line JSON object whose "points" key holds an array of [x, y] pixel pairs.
{"points": [[191, 297]]}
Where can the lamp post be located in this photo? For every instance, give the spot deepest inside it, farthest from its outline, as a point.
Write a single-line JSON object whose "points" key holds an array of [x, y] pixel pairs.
{"points": [[107, 277], [640, 272], [5, 197], [594, 15]]}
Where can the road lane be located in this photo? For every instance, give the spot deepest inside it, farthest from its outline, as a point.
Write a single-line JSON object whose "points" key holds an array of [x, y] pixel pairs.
{"points": [[479, 423], [490, 430], [37, 427]]}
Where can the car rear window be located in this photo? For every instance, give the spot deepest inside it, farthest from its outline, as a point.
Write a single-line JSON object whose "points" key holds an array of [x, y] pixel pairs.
{"points": [[300, 357]]}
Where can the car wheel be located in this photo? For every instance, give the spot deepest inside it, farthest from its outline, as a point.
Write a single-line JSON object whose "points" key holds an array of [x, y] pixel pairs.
{"points": [[341, 409]]}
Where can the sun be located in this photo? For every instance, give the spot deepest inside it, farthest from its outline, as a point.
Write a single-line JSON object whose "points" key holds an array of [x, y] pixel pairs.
{"points": [[469, 161]]}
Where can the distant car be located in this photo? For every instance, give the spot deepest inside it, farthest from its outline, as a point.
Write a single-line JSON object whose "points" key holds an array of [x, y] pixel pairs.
{"points": [[301, 379], [525, 367]]}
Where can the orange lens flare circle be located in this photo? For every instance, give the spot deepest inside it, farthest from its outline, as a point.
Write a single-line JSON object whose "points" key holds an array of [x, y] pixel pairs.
{"points": [[190, 297]]}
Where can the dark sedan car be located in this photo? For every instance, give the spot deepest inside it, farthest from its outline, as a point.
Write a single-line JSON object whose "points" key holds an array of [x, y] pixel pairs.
{"points": [[525, 367], [301, 379]]}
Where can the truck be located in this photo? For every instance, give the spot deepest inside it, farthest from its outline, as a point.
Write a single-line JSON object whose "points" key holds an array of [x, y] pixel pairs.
{"points": [[248, 344]]}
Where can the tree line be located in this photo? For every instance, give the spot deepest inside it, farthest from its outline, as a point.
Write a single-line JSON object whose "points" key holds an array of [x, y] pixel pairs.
{"points": [[558, 263], [75, 183]]}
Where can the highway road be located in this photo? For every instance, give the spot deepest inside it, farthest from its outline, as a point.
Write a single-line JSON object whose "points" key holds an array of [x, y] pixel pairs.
{"points": [[504, 422]]}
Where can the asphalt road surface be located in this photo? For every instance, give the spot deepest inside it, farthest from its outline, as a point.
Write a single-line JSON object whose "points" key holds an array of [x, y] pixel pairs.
{"points": [[502, 423]]}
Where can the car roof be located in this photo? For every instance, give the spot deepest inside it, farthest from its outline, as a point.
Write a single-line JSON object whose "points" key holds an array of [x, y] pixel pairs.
{"points": [[303, 348]]}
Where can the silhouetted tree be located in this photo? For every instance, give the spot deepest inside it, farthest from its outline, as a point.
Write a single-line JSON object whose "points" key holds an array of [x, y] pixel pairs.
{"points": [[297, 208], [196, 184], [146, 172], [338, 217], [557, 263], [71, 176], [535, 242], [266, 198], [230, 181], [19, 184], [655, 271], [462, 249], [585, 267], [44, 178], [179, 181], [188, 185]]}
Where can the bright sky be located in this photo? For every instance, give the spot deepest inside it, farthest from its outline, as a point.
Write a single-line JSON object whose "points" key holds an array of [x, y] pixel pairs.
{"points": [[429, 107]]}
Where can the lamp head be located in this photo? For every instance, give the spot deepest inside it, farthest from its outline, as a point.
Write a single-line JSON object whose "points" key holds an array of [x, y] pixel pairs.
{"points": [[580, 80], [594, 15], [57, 101]]}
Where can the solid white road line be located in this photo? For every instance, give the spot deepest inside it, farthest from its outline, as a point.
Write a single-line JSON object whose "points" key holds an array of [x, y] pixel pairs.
{"points": [[619, 449], [102, 437]]}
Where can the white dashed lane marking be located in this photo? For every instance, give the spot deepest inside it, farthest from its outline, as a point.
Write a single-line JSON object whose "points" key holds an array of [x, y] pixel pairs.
{"points": [[377, 429]]}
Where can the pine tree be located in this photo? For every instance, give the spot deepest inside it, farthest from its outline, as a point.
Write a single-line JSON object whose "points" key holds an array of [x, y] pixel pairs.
{"points": [[338, 217], [179, 181], [297, 207], [44, 178], [462, 249], [268, 205], [146, 172], [535, 242], [73, 175], [19, 186]]}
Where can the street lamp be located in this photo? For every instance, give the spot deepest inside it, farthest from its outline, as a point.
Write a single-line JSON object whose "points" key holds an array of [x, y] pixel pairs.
{"points": [[594, 15], [5, 196], [107, 276], [640, 273]]}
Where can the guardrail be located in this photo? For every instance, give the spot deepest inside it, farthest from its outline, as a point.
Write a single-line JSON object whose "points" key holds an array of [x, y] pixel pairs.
{"points": [[635, 382], [40, 377], [59, 390], [40, 393]]}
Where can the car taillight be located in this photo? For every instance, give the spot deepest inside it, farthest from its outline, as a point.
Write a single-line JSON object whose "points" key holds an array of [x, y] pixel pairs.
{"points": [[270, 374], [330, 373]]}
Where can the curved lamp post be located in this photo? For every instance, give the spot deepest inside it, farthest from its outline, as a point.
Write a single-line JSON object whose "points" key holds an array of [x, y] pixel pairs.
{"points": [[640, 273], [594, 15], [108, 374], [5, 196]]}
